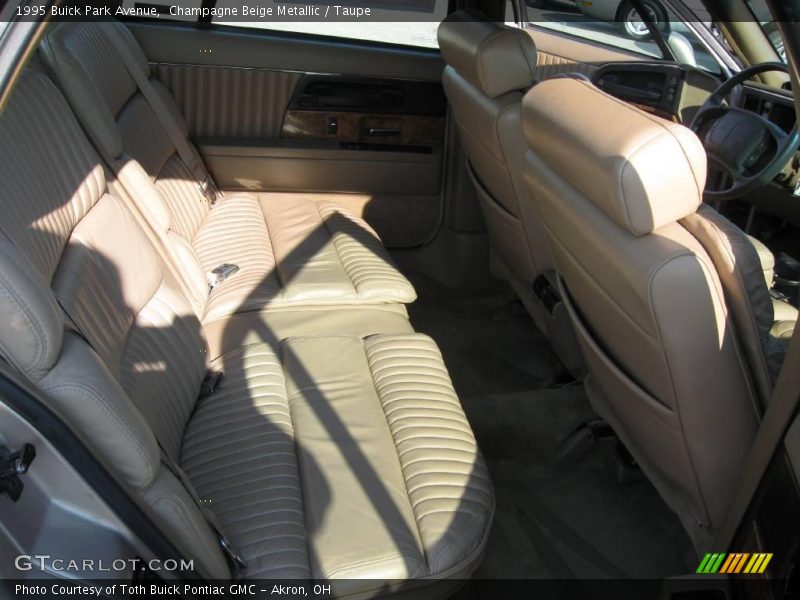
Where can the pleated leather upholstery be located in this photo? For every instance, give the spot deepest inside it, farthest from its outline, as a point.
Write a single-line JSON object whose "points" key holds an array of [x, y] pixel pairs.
{"points": [[294, 251], [239, 451], [287, 251], [236, 233], [333, 448], [363, 257], [164, 364], [50, 201], [341, 457], [230, 102], [130, 376], [447, 482], [188, 210], [100, 264]]}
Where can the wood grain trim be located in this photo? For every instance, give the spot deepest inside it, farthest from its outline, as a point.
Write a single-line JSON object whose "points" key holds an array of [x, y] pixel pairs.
{"points": [[352, 127]]}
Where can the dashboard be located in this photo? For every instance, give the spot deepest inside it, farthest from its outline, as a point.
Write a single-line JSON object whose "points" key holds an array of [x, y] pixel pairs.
{"points": [[654, 86], [676, 92], [776, 106]]}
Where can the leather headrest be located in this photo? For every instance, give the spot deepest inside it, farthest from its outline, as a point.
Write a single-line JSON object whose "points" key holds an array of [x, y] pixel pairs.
{"points": [[493, 57], [642, 171]]}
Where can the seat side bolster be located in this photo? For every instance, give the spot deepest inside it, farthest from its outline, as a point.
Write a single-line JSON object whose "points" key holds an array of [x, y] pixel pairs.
{"points": [[187, 526], [740, 272], [364, 259], [89, 395], [718, 414], [31, 329], [448, 485]]}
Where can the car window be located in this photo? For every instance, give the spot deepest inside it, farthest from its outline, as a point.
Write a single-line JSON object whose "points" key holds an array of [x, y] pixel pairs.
{"points": [[400, 22], [686, 45], [768, 26], [618, 23], [611, 22], [164, 10]]}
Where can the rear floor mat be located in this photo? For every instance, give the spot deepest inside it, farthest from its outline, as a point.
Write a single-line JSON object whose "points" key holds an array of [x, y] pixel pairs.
{"points": [[552, 520], [490, 343]]}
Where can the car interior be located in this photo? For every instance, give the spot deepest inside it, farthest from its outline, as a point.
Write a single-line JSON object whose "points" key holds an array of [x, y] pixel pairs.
{"points": [[295, 306]]}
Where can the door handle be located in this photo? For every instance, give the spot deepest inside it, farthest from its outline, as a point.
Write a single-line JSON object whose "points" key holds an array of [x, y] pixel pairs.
{"points": [[382, 131]]}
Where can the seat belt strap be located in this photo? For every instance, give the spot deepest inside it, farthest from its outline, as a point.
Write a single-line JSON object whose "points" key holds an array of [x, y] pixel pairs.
{"points": [[778, 417], [187, 154]]}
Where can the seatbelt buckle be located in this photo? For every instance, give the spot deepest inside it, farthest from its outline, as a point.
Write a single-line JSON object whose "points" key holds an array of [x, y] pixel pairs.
{"points": [[210, 383], [208, 189], [235, 561], [220, 274]]}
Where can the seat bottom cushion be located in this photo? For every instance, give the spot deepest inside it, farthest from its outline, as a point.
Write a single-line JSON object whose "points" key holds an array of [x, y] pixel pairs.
{"points": [[276, 324], [294, 251], [341, 457]]}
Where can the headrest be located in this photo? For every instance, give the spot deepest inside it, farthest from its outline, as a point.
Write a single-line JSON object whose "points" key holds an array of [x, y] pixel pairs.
{"points": [[642, 171], [495, 58], [92, 75]]}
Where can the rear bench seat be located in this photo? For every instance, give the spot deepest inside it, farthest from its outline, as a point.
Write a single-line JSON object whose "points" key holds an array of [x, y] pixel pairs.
{"points": [[289, 251], [334, 446]]}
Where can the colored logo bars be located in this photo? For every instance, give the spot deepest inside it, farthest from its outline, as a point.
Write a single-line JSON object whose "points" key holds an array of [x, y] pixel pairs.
{"points": [[734, 563]]}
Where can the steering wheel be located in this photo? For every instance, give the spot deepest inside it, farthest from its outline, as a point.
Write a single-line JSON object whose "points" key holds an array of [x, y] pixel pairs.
{"points": [[746, 146]]}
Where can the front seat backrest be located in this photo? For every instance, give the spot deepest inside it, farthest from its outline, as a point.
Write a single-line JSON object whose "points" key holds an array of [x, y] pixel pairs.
{"points": [[489, 68], [666, 369]]}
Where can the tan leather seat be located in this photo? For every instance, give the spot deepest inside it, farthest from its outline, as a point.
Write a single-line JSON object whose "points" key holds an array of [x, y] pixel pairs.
{"points": [[289, 252], [489, 68], [785, 315], [670, 303], [334, 445]]}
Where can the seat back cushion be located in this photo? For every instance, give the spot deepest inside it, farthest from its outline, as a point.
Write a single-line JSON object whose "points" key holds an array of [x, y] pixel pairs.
{"points": [[116, 115], [648, 304], [132, 375]]}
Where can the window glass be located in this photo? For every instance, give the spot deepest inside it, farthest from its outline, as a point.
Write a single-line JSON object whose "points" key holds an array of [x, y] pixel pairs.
{"points": [[409, 23], [510, 17], [768, 26], [761, 14], [686, 45], [611, 22], [179, 10], [401, 22], [618, 23]]}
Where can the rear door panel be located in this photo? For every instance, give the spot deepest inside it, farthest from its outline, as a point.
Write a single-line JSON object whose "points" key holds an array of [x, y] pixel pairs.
{"points": [[359, 124]]}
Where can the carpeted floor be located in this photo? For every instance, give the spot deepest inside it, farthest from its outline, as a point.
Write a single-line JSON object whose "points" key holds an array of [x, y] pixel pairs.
{"points": [[552, 520]]}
